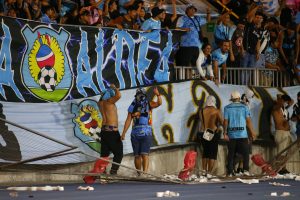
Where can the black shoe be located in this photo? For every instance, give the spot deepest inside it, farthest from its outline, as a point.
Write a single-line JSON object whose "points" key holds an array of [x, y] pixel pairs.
{"points": [[239, 170], [113, 172], [283, 172]]}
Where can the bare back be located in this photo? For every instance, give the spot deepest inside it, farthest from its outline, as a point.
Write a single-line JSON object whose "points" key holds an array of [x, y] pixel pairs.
{"points": [[212, 118], [280, 122]]}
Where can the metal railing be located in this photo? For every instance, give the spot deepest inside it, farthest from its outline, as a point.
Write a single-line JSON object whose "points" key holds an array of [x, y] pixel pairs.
{"points": [[241, 76]]}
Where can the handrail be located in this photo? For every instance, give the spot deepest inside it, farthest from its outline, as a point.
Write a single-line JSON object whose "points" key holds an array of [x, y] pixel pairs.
{"points": [[241, 76]]}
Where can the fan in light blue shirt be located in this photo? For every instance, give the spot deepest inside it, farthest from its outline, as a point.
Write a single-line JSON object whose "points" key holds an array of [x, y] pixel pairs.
{"points": [[155, 21]]}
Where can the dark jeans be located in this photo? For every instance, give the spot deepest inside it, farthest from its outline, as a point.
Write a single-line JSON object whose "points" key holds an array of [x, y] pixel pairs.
{"points": [[241, 146], [111, 142]]}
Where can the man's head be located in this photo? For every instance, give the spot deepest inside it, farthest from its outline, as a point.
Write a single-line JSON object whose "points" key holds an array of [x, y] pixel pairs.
{"points": [[284, 100], [107, 94], [258, 19], [235, 96], [131, 11], [225, 46], [249, 94], [272, 23], [50, 12], [298, 97], [140, 94], [210, 101], [241, 23], [158, 13], [85, 15], [190, 10]]}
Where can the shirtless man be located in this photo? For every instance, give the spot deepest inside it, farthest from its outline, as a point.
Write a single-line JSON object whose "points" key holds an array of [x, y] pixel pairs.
{"points": [[282, 127], [110, 136], [211, 118]]}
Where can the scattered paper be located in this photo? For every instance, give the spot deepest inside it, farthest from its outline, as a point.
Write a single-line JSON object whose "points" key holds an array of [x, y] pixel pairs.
{"points": [[248, 181], [167, 193], [278, 184]]}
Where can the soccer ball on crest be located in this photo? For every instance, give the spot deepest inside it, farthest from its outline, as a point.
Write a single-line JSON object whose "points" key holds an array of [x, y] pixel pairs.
{"points": [[47, 78]]}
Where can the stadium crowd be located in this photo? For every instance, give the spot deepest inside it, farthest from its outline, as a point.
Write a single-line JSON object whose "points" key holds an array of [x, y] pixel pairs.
{"points": [[248, 33]]}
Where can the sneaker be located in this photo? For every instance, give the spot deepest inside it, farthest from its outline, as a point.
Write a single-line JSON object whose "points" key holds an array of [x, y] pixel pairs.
{"points": [[231, 174], [210, 176], [246, 173]]}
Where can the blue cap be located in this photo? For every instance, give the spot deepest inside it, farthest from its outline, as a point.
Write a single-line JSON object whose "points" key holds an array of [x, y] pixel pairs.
{"points": [[107, 94]]}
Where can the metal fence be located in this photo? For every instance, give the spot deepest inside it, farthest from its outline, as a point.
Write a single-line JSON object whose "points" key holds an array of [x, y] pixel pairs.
{"points": [[241, 76]]}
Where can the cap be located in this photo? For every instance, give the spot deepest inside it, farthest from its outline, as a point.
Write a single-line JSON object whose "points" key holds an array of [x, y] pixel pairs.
{"points": [[298, 95], [249, 93], [156, 11], [190, 6], [107, 94], [210, 101], [235, 95]]}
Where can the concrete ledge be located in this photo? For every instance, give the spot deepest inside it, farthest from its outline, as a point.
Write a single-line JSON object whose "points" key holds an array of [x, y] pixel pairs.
{"points": [[167, 159]]}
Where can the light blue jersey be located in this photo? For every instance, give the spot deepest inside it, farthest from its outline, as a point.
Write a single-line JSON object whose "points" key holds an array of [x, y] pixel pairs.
{"points": [[236, 114], [218, 56], [151, 24], [191, 38], [121, 6], [223, 32]]}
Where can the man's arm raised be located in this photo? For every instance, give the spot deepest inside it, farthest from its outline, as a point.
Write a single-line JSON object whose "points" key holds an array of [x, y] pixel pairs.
{"points": [[117, 96], [156, 104]]}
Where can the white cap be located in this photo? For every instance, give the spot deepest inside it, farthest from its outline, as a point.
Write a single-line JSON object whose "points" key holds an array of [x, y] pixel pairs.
{"points": [[235, 95], [249, 93], [210, 101]]}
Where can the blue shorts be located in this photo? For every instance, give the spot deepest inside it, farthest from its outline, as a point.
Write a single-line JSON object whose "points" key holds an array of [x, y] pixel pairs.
{"points": [[141, 140]]}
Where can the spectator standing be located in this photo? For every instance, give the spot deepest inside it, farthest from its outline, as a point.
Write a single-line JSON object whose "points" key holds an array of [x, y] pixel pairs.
{"points": [[237, 43], [280, 115], [204, 62], [110, 136], [251, 42], [224, 29], [272, 60], [287, 43], [210, 120], [154, 22], [219, 58], [140, 113], [236, 120], [191, 41]]}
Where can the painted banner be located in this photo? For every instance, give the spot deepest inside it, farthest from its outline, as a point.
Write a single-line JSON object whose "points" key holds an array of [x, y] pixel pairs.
{"points": [[52, 63], [174, 122]]}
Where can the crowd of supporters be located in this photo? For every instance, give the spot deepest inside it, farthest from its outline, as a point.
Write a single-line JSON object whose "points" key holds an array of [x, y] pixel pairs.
{"points": [[249, 33]]}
